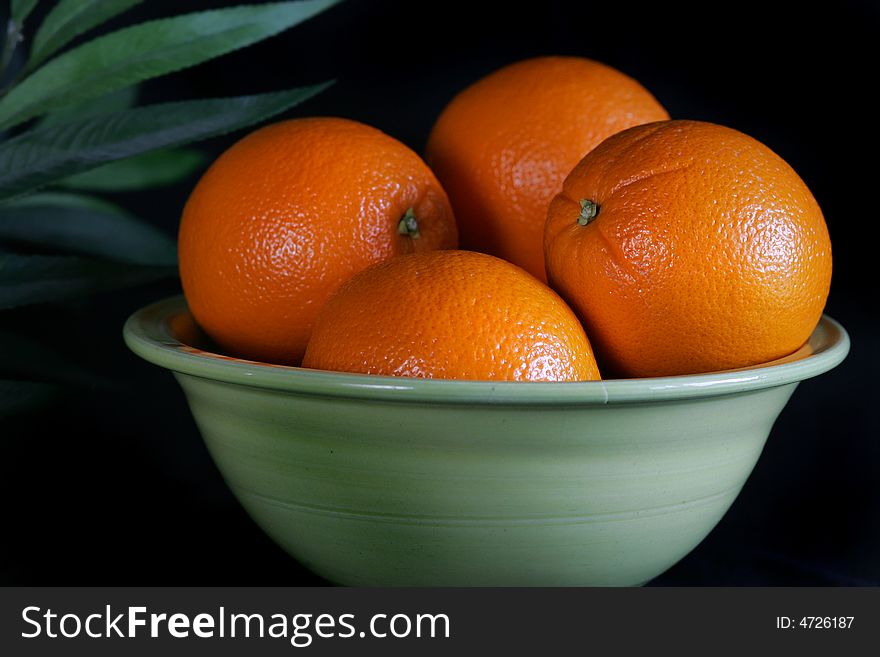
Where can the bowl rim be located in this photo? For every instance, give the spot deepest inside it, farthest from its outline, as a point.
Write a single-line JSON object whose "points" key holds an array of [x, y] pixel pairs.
{"points": [[148, 333]]}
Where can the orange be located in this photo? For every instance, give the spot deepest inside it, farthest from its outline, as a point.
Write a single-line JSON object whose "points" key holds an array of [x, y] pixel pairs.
{"points": [[688, 247], [450, 315], [504, 145], [290, 212]]}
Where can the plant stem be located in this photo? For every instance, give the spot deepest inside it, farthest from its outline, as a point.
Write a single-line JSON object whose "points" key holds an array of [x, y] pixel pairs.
{"points": [[409, 225], [589, 210]]}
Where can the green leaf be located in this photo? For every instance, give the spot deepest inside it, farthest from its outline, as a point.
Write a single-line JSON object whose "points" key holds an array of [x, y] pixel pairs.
{"points": [[62, 199], [38, 157], [20, 396], [145, 51], [70, 18], [152, 169], [37, 278], [21, 9], [115, 101], [85, 226]]}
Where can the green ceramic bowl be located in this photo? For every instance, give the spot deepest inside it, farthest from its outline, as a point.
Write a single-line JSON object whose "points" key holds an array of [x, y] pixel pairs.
{"points": [[389, 481]]}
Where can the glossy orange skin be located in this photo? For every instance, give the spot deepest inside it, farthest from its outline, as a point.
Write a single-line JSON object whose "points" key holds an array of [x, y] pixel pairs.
{"points": [[286, 215], [450, 315], [504, 145], [708, 251]]}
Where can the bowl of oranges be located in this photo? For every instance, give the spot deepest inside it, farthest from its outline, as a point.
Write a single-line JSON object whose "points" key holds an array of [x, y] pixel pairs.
{"points": [[550, 353]]}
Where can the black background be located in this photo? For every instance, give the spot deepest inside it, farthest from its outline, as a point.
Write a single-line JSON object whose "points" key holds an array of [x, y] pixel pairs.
{"points": [[112, 484]]}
